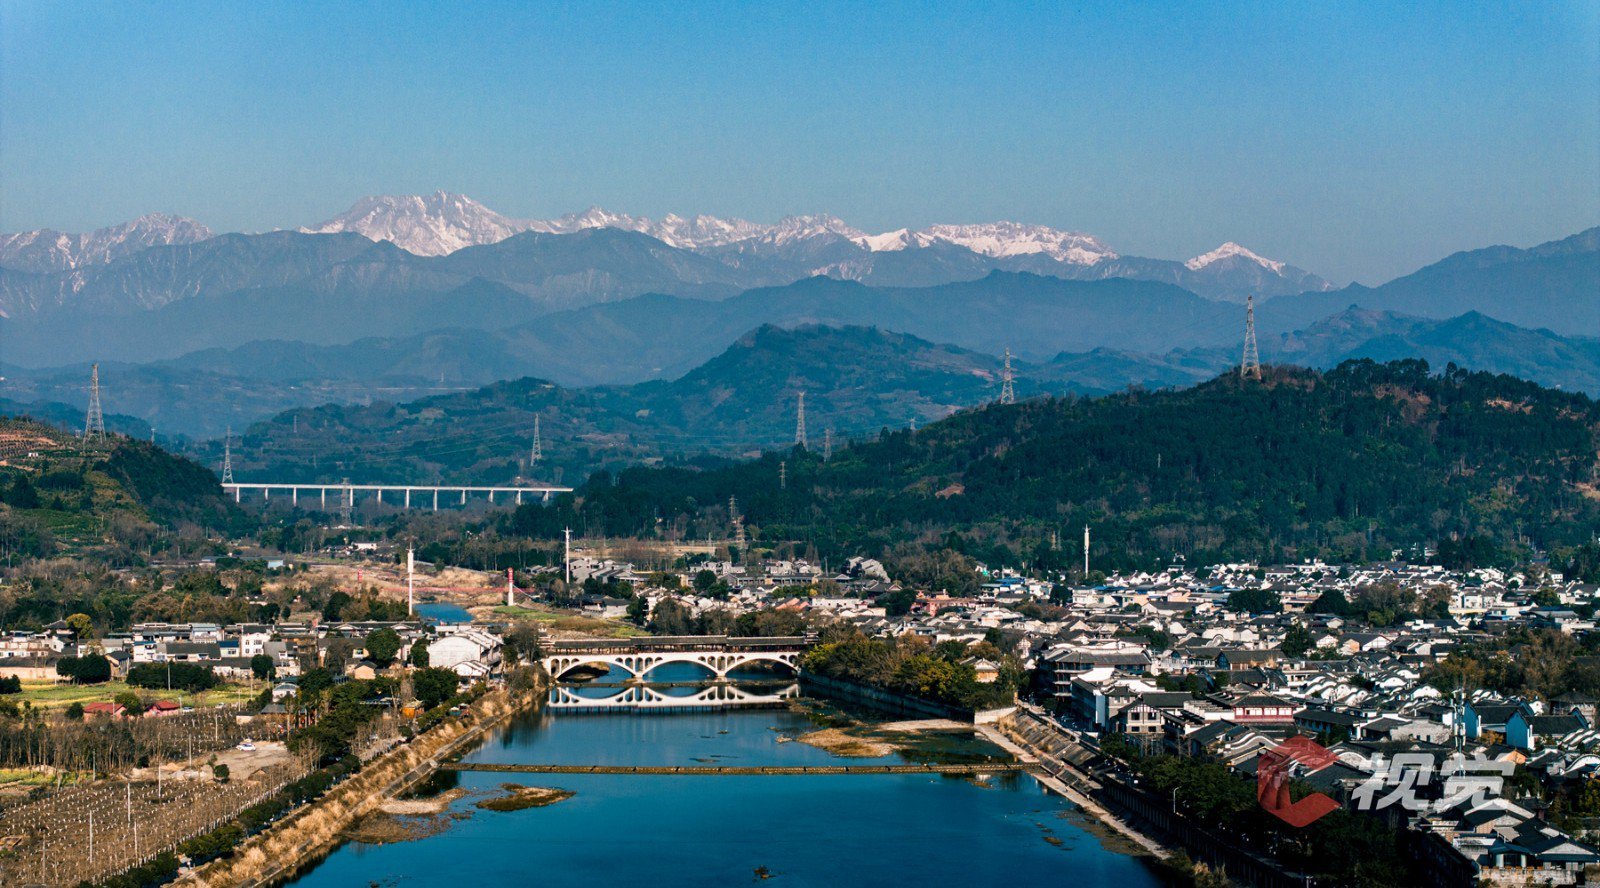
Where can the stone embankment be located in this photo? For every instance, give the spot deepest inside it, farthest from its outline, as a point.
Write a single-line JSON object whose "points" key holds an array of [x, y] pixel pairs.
{"points": [[286, 846], [1056, 761]]}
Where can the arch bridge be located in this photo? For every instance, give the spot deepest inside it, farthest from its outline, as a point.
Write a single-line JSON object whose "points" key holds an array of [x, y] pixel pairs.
{"points": [[717, 654]]}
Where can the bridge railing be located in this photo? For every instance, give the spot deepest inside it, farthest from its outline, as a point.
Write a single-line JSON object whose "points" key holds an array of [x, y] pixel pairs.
{"points": [[676, 643]]}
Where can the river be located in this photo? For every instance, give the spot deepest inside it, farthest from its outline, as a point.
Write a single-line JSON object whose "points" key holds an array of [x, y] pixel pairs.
{"points": [[666, 831], [443, 612]]}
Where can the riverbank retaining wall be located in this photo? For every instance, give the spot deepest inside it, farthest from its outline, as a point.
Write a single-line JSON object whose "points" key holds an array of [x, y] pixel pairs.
{"points": [[283, 848], [1072, 762]]}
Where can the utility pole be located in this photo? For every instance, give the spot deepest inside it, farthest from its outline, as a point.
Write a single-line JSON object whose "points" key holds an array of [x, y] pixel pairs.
{"points": [[1008, 392], [1250, 362], [94, 423], [827, 444], [567, 558], [1086, 553], [227, 457], [800, 423]]}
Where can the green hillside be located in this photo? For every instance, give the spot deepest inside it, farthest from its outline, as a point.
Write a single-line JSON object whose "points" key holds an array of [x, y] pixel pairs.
{"points": [[1349, 463], [124, 495], [857, 381]]}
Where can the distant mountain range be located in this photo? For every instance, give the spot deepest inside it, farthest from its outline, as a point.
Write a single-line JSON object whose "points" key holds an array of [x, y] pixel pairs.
{"points": [[662, 338], [1555, 285], [199, 332], [394, 264], [44, 251], [441, 223], [857, 381]]}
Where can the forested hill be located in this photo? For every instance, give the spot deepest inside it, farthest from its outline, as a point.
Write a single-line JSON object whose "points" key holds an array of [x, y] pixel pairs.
{"points": [[1349, 463], [119, 496]]}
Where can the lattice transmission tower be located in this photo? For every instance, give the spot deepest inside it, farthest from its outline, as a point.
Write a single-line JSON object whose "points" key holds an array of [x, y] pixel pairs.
{"points": [[1008, 391], [1250, 363], [94, 424], [227, 457], [535, 453], [800, 423]]}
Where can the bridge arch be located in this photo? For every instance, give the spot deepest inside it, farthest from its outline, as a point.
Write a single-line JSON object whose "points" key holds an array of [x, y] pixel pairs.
{"points": [[638, 665]]}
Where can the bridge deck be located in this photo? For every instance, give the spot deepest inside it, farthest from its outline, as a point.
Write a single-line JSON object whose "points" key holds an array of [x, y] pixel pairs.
{"points": [[733, 770]]}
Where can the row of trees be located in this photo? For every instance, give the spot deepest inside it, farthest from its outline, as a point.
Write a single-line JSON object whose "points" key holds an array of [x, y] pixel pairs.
{"points": [[915, 666], [1542, 663], [672, 617]]}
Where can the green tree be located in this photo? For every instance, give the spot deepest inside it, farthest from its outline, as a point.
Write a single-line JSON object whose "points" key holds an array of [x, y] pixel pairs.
{"points": [[82, 626], [419, 654], [1296, 641], [434, 686], [671, 617], [130, 702], [897, 603], [88, 669], [382, 645], [1254, 601], [262, 667]]}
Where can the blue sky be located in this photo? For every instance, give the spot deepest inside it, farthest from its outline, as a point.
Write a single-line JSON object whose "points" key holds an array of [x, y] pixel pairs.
{"points": [[1357, 140]]}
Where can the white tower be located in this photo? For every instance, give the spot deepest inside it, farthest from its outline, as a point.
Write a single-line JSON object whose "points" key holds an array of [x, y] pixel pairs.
{"points": [[411, 581]]}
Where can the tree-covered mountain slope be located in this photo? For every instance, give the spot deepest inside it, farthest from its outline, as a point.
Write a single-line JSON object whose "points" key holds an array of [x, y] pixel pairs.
{"points": [[1352, 462]]}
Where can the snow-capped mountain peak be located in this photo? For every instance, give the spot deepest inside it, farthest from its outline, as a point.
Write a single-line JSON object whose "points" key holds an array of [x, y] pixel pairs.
{"points": [[1230, 250], [796, 228], [998, 240], [44, 250], [427, 225]]}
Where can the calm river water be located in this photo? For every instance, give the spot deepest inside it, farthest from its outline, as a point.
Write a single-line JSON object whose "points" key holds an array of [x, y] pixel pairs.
{"points": [[663, 831]]}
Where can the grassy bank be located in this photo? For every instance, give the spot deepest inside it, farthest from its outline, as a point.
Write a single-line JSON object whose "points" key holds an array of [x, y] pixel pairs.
{"points": [[49, 695], [567, 622]]}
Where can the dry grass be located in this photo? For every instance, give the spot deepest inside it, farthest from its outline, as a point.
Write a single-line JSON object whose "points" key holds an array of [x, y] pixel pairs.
{"points": [[518, 797], [50, 695], [840, 743]]}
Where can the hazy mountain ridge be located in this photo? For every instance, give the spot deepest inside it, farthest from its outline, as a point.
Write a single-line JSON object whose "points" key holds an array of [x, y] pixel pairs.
{"points": [[440, 241], [886, 373], [857, 381], [1554, 285]]}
